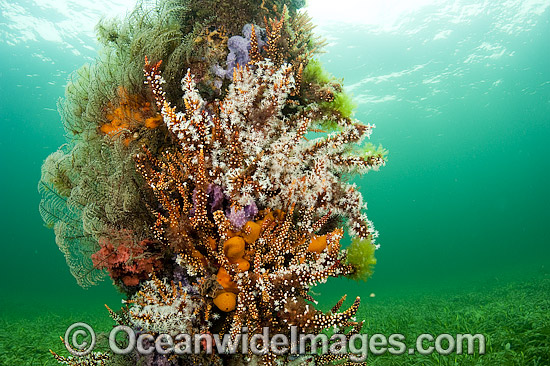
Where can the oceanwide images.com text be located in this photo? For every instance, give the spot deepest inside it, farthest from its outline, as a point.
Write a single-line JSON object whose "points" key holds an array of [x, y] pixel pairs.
{"points": [[357, 346]]}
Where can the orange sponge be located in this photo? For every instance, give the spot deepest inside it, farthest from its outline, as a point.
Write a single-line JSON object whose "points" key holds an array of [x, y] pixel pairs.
{"points": [[226, 301], [252, 232], [242, 264], [233, 248], [318, 244], [224, 279]]}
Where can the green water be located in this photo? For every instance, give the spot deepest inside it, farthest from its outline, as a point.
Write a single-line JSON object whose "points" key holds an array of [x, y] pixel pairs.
{"points": [[461, 99]]}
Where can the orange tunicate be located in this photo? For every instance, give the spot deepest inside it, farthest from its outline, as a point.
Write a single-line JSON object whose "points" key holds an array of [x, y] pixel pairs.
{"points": [[242, 264], [318, 244], [233, 248], [226, 301], [224, 279], [252, 232]]}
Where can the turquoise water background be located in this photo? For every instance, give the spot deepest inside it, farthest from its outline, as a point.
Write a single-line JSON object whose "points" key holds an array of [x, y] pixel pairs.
{"points": [[459, 92]]}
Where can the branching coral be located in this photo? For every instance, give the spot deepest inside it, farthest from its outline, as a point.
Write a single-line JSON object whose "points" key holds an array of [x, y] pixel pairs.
{"points": [[257, 155], [245, 146]]}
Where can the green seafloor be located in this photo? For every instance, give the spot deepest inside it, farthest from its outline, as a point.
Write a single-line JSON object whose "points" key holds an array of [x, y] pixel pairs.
{"points": [[460, 95]]}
